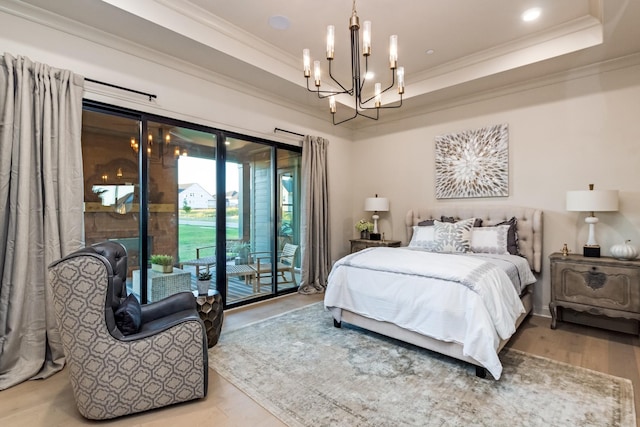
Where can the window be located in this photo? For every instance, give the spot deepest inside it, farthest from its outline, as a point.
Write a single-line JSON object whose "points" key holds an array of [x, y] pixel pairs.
{"points": [[160, 186]]}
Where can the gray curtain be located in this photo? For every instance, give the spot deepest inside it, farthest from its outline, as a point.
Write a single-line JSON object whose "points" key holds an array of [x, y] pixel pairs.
{"points": [[316, 247], [41, 219]]}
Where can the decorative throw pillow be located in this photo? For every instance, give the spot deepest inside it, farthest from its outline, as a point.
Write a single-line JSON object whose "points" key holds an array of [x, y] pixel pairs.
{"points": [[476, 223], [490, 240], [512, 236], [426, 222], [129, 315], [423, 238], [453, 237]]}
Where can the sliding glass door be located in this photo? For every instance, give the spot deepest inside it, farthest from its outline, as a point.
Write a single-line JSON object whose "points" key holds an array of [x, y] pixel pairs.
{"points": [[215, 202]]}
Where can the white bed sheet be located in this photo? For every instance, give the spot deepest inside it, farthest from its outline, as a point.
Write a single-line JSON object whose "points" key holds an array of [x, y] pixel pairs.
{"points": [[434, 307]]}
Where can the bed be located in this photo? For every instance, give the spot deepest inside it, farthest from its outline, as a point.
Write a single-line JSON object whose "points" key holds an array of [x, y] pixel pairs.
{"points": [[465, 305]]}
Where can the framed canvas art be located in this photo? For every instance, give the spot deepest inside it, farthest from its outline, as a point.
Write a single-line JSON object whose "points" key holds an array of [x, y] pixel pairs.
{"points": [[473, 163]]}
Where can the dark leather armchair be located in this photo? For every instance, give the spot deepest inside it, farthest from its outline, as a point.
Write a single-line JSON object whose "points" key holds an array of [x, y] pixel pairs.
{"points": [[163, 361]]}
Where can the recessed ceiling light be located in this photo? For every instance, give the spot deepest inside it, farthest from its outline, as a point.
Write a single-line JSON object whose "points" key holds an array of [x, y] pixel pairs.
{"points": [[429, 51], [279, 22], [531, 14]]}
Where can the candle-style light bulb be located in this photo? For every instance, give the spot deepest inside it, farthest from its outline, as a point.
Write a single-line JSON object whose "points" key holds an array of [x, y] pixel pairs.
{"points": [[378, 92], [332, 104], [317, 74], [400, 80], [366, 38], [306, 61], [331, 32], [393, 52]]}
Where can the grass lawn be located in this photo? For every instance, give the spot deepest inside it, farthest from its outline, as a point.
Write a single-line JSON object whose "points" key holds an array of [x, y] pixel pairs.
{"points": [[196, 236]]}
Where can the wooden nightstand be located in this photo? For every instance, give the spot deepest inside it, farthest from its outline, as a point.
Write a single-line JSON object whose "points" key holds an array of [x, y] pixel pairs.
{"points": [[601, 286], [360, 244]]}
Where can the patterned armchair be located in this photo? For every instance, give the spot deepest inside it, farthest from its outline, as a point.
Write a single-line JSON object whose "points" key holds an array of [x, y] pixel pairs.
{"points": [[161, 362]]}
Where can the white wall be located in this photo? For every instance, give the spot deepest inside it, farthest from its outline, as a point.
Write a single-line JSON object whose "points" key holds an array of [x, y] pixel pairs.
{"points": [[562, 136]]}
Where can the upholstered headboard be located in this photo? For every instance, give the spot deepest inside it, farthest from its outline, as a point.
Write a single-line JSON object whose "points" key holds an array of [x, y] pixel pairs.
{"points": [[529, 224]]}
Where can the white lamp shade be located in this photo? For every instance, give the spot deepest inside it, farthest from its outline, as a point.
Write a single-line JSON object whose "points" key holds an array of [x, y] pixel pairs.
{"points": [[592, 200], [376, 204]]}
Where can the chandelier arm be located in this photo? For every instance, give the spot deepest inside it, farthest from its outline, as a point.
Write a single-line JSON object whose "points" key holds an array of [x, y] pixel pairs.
{"points": [[385, 107], [364, 78], [393, 83], [333, 117], [377, 116], [327, 92], [357, 113], [345, 90]]}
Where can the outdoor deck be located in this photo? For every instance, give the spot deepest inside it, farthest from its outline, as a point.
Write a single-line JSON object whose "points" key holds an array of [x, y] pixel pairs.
{"points": [[238, 289]]}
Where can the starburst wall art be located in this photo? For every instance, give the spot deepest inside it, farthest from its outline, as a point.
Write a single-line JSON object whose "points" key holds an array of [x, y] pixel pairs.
{"points": [[473, 163]]}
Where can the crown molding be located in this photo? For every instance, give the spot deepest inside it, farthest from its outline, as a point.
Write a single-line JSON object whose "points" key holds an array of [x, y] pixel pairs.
{"points": [[127, 47], [561, 77]]}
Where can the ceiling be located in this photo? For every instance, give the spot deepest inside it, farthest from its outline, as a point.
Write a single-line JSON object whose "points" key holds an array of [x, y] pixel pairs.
{"points": [[477, 46]]}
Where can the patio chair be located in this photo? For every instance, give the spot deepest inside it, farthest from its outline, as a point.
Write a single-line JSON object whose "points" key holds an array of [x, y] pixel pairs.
{"points": [[124, 357], [201, 261], [261, 263]]}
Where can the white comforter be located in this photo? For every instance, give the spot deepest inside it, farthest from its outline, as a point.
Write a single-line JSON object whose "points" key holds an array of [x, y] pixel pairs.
{"points": [[444, 296]]}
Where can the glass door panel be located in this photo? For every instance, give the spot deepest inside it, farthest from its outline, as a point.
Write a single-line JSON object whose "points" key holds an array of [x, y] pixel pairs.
{"points": [[195, 196], [111, 190], [288, 219], [249, 219]]}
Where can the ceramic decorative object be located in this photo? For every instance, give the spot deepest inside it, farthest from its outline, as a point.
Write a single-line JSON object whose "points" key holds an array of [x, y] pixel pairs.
{"points": [[203, 287], [162, 263], [624, 251], [204, 280], [162, 268]]}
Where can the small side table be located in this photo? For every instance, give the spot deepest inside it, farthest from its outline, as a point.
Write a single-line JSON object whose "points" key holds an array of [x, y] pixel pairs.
{"points": [[360, 244], [210, 311], [602, 286]]}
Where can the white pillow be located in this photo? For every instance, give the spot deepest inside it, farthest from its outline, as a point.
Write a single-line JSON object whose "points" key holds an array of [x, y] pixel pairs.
{"points": [[490, 240], [453, 237], [423, 237]]}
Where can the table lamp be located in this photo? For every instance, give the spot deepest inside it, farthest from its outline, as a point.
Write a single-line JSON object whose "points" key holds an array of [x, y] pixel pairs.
{"points": [[375, 205], [592, 201]]}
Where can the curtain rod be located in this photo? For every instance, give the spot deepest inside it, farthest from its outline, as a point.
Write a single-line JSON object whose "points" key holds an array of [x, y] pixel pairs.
{"points": [[287, 131], [150, 95]]}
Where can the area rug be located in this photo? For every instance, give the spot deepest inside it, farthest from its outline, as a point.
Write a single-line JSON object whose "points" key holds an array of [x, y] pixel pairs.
{"points": [[308, 373]]}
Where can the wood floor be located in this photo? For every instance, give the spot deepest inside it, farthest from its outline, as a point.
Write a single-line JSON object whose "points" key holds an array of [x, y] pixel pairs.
{"points": [[50, 402]]}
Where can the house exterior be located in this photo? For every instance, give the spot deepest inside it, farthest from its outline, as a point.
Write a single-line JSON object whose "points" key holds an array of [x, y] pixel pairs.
{"points": [[195, 196]]}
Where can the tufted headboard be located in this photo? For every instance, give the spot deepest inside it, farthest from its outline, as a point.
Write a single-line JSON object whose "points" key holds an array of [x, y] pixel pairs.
{"points": [[529, 225]]}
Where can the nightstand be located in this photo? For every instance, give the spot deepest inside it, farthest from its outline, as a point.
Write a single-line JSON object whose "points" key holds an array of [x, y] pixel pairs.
{"points": [[601, 286], [360, 244]]}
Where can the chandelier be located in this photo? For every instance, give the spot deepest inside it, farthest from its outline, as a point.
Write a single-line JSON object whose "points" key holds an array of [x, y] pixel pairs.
{"points": [[358, 80], [162, 148]]}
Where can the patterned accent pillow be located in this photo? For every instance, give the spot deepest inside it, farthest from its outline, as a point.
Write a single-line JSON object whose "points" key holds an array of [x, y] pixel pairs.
{"points": [[512, 236], [423, 238], [453, 237], [476, 223], [490, 240], [128, 316]]}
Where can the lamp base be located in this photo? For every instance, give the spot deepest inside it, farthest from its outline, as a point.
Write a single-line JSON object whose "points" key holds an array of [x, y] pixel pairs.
{"points": [[374, 236], [591, 251]]}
